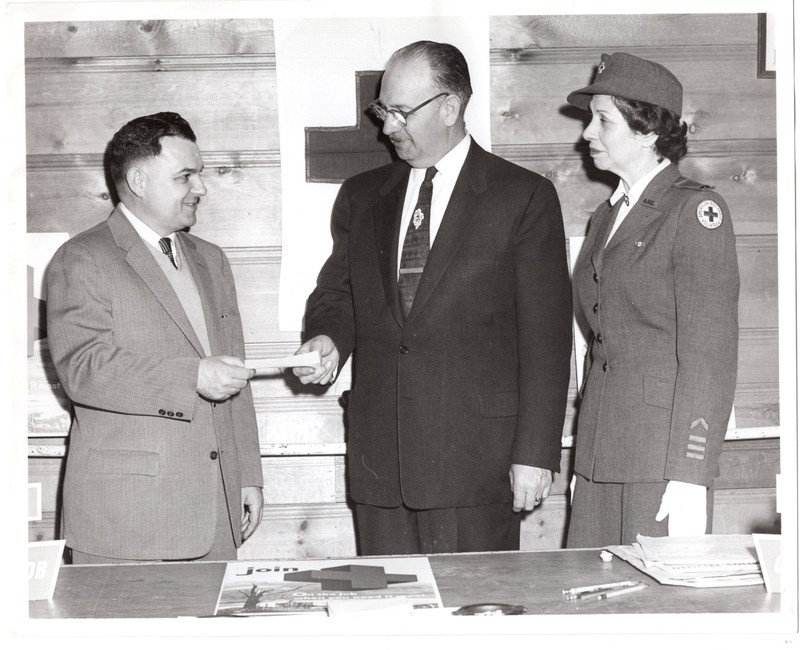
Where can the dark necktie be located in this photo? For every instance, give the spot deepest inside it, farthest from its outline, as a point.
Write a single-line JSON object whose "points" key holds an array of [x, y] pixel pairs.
{"points": [[166, 248], [416, 245]]}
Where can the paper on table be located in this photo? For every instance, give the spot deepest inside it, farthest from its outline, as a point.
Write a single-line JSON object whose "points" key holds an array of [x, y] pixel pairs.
{"points": [[346, 607], [702, 561], [268, 366], [390, 585], [768, 548], [720, 550]]}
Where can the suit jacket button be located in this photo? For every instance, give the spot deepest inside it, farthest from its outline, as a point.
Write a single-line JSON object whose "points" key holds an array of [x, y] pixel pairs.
{"points": [[595, 308], [599, 337], [171, 413], [594, 277], [162, 412], [179, 414], [213, 455], [605, 366], [404, 349]]}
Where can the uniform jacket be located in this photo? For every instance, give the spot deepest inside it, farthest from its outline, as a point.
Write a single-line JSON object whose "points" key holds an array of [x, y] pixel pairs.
{"points": [[476, 377], [140, 479], [662, 304]]}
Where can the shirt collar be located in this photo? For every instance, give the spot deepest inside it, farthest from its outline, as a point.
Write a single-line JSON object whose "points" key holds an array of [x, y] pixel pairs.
{"points": [[449, 166], [145, 231], [639, 186]]}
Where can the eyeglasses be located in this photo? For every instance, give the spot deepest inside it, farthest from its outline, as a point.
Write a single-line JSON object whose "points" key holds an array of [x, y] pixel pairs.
{"points": [[381, 112]]}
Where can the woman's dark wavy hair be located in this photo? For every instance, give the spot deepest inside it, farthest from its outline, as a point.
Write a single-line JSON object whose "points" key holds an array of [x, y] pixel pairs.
{"points": [[646, 118]]}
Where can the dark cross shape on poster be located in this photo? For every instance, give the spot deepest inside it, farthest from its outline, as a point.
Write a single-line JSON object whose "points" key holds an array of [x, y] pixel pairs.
{"points": [[350, 577], [336, 153]]}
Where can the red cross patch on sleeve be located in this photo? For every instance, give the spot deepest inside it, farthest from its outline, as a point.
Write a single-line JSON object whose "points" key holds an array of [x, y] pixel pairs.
{"points": [[709, 214]]}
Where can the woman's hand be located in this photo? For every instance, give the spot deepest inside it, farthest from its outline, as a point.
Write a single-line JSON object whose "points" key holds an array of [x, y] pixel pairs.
{"points": [[685, 504]]}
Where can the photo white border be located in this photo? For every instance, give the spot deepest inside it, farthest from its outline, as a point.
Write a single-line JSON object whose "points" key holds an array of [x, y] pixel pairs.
{"points": [[589, 631]]}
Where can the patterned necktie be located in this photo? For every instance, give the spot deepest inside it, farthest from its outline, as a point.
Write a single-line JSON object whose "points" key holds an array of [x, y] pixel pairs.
{"points": [[166, 248], [416, 245]]}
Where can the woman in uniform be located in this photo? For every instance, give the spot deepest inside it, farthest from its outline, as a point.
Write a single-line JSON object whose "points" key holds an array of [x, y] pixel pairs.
{"points": [[657, 282]]}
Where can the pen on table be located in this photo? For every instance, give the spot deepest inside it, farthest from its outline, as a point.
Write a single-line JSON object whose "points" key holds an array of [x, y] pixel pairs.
{"points": [[590, 588], [591, 595], [621, 592]]}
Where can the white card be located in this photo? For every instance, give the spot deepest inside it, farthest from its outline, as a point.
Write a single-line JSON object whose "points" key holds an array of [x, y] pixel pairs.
{"points": [[269, 366], [44, 562]]}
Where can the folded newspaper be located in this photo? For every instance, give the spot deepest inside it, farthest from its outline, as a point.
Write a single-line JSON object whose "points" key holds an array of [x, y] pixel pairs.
{"points": [[702, 561]]}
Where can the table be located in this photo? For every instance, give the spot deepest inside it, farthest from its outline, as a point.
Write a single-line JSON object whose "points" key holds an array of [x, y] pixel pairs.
{"points": [[533, 579]]}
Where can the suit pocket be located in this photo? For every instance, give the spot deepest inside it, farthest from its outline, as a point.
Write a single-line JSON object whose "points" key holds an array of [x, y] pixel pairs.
{"points": [[658, 392], [122, 461], [498, 405]]}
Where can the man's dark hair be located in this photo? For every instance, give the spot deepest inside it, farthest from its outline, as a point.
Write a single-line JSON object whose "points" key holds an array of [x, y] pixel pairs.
{"points": [[141, 138], [448, 66], [646, 118]]}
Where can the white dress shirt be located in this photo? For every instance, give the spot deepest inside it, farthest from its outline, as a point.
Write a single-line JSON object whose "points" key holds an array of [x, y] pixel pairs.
{"points": [[633, 195], [150, 236], [448, 169]]}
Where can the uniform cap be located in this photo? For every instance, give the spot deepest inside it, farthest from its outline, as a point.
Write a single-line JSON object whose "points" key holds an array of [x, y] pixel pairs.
{"points": [[629, 77]]}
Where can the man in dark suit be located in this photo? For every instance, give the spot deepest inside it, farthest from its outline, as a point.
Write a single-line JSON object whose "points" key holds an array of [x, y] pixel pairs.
{"points": [[146, 338], [448, 281]]}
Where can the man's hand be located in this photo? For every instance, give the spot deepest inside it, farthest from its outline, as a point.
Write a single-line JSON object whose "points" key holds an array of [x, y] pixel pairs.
{"points": [[685, 503], [219, 378], [252, 508], [531, 486], [329, 361]]}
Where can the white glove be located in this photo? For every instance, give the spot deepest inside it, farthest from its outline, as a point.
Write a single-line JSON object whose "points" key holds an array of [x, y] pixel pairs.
{"points": [[685, 503]]}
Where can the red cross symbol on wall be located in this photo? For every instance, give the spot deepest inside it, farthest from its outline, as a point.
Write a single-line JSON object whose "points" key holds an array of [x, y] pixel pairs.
{"points": [[338, 152]]}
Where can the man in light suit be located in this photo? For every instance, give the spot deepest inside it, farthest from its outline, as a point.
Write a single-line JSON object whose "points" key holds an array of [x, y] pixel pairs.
{"points": [[448, 281], [146, 337]]}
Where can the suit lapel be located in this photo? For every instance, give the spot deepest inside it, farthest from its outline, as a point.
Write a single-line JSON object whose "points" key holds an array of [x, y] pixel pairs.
{"points": [[388, 213], [141, 261], [461, 210], [205, 287], [646, 209], [604, 220]]}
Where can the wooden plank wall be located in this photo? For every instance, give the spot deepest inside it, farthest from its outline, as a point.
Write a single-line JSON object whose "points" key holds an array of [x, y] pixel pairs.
{"points": [[85, 79]]}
